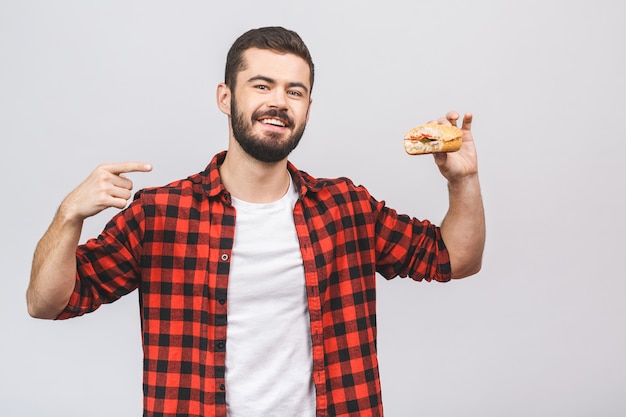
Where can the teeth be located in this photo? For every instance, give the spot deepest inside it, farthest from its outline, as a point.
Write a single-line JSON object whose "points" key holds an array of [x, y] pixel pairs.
{"points": [[274, 122]]}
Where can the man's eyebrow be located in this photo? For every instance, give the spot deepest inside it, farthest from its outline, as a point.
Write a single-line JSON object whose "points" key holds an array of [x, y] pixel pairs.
{"points": [[300, 85], [272, 81], [262, 78]]}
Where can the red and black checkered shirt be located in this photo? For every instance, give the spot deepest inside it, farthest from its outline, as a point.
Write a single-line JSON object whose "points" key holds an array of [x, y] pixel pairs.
{"points": [[174, 244]]}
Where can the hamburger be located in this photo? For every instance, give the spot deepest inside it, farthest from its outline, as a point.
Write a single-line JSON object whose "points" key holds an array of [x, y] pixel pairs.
{"points": [[432, 138]]}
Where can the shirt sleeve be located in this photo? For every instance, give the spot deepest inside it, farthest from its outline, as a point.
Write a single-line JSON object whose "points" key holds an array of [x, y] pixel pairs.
{"points": [[406, 246], [108, 267]]}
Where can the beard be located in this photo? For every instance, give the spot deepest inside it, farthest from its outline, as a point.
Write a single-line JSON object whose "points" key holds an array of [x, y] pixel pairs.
{"points": [[271, 148]]}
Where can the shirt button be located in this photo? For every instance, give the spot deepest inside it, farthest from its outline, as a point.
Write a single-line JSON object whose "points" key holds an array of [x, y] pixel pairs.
{"points": [[221, 344], [221, 301], [222, 387], [224, 257]]}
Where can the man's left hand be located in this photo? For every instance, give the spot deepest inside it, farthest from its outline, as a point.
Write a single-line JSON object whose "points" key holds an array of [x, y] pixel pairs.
{"points": [[462, 163]]}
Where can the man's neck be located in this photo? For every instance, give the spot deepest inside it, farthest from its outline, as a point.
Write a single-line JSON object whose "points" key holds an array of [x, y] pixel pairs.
{"points": [[254, 181]]}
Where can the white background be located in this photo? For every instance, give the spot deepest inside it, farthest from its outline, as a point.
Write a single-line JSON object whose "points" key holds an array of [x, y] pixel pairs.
{"points": [[540, 331]]}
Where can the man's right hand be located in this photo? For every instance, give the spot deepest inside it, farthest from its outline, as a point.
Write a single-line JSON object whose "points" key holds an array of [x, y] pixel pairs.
{"points": [[105, 187], [53, 272]]}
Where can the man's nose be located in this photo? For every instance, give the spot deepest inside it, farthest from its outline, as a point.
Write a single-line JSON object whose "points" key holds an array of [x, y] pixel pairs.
{"points": [[278, 98]]}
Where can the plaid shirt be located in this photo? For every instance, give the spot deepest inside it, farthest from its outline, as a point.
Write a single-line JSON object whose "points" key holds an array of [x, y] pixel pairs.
{"points": [[174, 244]]}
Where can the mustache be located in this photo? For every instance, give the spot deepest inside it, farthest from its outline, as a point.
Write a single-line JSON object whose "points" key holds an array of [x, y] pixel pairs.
{"points": [[274, 114]]}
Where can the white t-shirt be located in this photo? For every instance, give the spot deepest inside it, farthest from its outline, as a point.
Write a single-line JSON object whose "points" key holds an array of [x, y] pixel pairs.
{"points": [[268, 346]]}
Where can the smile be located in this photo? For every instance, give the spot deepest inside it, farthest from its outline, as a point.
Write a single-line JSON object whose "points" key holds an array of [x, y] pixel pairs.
{"points": [[274, 122]]}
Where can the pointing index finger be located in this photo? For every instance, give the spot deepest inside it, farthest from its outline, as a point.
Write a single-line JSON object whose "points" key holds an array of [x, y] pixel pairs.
{"points": [[128, 166]]}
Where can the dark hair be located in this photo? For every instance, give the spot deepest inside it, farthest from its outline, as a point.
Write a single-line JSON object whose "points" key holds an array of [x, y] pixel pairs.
{"points": [[274, 38]]}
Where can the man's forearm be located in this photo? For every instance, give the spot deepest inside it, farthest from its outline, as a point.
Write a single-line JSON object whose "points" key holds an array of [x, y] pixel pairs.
{"points": [[53, 272], [463, 229]]}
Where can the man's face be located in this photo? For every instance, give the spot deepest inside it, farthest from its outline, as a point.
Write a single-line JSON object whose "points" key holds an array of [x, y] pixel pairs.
{"points": [[269, 107]]}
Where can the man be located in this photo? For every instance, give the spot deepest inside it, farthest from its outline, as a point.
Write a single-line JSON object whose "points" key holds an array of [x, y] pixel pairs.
{"points": [[256, 280]]}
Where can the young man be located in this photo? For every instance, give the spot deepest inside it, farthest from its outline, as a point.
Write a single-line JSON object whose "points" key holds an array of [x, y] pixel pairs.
{"points": [[257, 281]]}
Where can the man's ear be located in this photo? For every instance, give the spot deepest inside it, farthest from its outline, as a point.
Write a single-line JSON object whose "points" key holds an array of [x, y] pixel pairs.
{"points": [[223, 96], [308, 110]]}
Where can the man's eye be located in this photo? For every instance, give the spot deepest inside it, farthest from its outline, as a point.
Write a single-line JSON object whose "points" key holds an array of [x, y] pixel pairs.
{"points": [[295, 93], [261, 87]]}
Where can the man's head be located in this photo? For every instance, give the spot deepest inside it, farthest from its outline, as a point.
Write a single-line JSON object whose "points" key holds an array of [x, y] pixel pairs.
{"points": [[267, 92], [274, 38]]}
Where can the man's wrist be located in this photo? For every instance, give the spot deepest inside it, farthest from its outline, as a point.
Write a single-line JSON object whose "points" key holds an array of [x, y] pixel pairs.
{"points": [[463, 182]]}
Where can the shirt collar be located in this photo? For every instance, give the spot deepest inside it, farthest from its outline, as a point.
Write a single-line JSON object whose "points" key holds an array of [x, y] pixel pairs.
{"points": [[213, 187]]}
